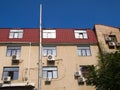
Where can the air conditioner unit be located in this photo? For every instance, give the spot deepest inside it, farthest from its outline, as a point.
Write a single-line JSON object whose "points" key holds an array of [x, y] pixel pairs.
{"points": [[15, 57], [6, 78], [107, 39], [118, 44], [77, 74], [48, 79], [50, 58], [80, 80], [111, 43]]}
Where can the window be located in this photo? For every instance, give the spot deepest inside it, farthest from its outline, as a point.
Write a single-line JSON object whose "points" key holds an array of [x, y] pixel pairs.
{"points": [[16, 34], [82, 34], [49, 72], [84, 69], [84, 50], [49, 51], [13, 51], [113, 38], [11, 71], [49, 33]]}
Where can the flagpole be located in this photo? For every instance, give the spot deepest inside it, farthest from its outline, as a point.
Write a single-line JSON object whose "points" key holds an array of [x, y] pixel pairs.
{"points": [[40, 51]]}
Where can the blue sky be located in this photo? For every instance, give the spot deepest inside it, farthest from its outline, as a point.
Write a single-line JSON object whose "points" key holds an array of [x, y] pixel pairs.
{"points": [[59, 13]]}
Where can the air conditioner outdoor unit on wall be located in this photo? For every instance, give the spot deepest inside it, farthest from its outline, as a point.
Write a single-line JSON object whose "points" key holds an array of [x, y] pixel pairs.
{"points": [[51, 58], [77, 74], [118, 44], [6, 78], [80, 80], [111, 43], [48, 79], [107, 39], [15, 57]]}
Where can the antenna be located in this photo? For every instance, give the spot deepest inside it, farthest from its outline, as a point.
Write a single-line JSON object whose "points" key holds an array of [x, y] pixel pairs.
{"points": [[40, 51]]}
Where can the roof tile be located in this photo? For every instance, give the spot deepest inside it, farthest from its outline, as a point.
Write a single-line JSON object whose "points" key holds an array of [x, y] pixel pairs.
{"points": [[62, 36]]}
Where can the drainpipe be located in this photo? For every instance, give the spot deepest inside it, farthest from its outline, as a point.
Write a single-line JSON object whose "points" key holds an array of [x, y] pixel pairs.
{"points": [[28, 73]]}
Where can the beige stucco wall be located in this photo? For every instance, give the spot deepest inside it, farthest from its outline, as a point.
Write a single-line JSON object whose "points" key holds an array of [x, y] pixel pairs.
{"points": [[102, 30], [67, 61], [26, 51]]}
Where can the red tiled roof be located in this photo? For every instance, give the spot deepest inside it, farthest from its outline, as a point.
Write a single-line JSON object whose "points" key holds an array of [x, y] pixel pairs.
{"points": [[30, 35], [62, 36]]}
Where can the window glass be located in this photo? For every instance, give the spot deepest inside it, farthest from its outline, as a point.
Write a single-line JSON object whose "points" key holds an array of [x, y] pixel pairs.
{"points": [[88, 52], [18, 52], [54, 52], [80, 35], [5, 74], [79, 52], [49, 73], [49, 35], [85, 35], [15, 76], [8, 52], [83, 52], [11, 35], [44, 52], [44, 74], [16, 35], [20, 35], [44, 35], [13, 52], [49, 52], [55, 74]]}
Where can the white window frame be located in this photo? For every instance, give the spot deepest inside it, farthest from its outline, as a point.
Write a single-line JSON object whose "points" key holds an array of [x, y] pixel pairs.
{"points": [[13, 72], [16, 34], [49, 34], [84, 50], [50, 72], [81, 34], [49, 51], [13, 50]]}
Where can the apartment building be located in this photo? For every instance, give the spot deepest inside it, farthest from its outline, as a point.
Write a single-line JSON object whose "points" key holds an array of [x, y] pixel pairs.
{"points": [[66, 54], [18, 59], [108, 37]]}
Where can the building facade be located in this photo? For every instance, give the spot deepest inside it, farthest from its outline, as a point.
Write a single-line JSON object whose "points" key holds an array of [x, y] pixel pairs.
{"points": [[66, 55], [108, 37]]}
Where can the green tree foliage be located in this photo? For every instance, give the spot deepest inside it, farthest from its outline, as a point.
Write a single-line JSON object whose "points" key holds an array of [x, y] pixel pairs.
{"points": [[106, 75]]}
